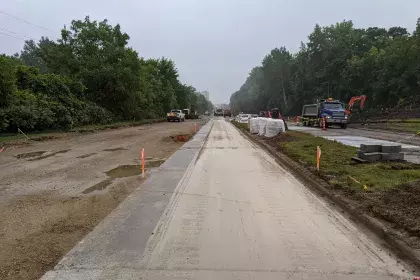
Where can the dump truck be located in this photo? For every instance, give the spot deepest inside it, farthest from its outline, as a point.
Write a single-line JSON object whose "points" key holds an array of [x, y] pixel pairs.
{"points": [[227, 113], [332, 110], [218, 112]]}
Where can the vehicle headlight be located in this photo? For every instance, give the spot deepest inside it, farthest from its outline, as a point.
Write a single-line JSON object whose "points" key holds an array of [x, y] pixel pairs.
{"points": [[345, 116], [328, 117]]}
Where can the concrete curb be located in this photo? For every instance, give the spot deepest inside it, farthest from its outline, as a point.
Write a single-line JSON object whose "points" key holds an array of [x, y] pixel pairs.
{"points": [[320, 186], [121, 238]]}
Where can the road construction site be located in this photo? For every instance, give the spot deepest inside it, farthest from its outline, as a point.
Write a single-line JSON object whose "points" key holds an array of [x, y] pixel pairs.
{"points": [[222, 208], [53, 193], [219, 207]]}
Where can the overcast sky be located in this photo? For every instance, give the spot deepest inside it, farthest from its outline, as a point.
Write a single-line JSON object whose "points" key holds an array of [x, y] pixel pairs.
{"points": [[214, 43]]}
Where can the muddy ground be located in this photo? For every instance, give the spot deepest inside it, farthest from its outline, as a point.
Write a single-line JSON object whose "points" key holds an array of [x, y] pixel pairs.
{"points": [[53, 193]]}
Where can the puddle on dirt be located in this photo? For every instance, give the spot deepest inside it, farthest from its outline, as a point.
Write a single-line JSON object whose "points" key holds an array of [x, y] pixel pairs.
{"points": [[124, 171], [50, 155], [98, 187], [30, 154], [131, 170], [86, 155], [115, 149]]}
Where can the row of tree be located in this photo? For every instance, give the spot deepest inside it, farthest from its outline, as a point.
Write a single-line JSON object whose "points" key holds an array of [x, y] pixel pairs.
{"points": [[338, 61], [88, 76]]}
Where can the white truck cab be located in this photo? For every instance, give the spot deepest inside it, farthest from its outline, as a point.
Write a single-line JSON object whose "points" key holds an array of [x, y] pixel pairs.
{"points": [[175, 115]]}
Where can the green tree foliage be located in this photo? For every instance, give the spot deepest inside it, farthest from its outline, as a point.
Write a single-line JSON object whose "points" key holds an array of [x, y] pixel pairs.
{"points": [[7, 80], [88, 76], [338, 61]]}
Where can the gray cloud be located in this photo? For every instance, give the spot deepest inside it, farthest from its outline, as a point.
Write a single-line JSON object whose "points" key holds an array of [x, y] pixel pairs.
{"points": [[214, 43]]}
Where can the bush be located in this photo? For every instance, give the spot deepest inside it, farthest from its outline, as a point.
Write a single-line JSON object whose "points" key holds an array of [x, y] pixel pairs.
{"points": [[7, 80], [46, 101]]}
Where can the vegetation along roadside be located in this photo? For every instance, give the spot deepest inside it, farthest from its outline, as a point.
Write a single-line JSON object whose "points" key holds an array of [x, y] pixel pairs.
{"points": [[90, 76], [339, 61]]}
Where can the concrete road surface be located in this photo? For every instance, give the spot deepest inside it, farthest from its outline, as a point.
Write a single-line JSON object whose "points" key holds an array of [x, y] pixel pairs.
{"points": [[236, 215]]}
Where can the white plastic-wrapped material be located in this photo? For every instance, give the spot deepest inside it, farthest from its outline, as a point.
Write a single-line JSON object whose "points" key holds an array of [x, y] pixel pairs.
{"points": [[254, 125], [274, 127], [262, 123]]}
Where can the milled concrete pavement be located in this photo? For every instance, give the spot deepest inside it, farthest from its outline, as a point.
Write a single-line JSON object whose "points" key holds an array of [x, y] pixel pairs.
{"points": [[227, 211]]}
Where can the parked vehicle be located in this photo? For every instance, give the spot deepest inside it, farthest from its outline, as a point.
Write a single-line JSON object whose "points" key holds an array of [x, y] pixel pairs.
{"points": [[238, 117], [218, 112], [175, 115], [244, 118], [263, 114], [227, 113], [190, 114], [332, 110]]}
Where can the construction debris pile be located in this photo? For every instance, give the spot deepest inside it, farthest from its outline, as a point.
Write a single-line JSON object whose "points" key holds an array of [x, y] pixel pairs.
{"points": [[375, 153]]}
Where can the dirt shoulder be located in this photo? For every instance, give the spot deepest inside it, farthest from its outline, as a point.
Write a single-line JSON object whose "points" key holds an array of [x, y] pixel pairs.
{"points": [[52, 193], [16, 139], [387, 192]]}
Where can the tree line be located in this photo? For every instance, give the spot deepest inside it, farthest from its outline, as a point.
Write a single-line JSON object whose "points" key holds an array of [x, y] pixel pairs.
{"points": [[338, 61], [88, 76]]}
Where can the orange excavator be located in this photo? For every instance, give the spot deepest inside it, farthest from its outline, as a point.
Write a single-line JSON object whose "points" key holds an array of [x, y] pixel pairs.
{"points": [[361, 98]]}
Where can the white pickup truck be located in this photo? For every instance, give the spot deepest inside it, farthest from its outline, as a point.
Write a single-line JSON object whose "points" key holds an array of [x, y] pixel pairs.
{"points": [[175, 115]]}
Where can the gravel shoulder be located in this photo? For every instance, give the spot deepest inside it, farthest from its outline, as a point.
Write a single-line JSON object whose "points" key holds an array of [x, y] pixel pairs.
{"points": [[53, 193]]}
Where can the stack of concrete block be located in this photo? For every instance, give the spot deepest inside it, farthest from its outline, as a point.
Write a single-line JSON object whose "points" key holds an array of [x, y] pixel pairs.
{"points": [[374, 153]]}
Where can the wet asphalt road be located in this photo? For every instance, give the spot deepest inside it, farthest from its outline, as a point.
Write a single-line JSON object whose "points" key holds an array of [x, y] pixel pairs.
{"points": [[235, 214]]}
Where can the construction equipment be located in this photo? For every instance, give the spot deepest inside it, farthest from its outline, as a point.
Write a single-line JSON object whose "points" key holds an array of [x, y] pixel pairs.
{"points": [[361, 98], [218, 112], [330, 109], [190, 114], [227, 113], [186, 113]]}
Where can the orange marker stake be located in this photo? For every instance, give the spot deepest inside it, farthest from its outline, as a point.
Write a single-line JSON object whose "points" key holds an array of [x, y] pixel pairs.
{"points": [[142, 162], [324, 124], [195, 127], [318, 157]]}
